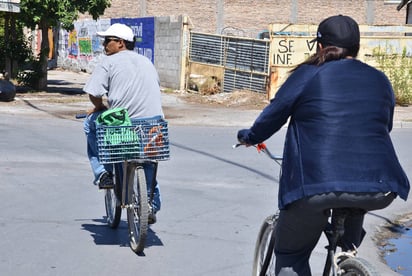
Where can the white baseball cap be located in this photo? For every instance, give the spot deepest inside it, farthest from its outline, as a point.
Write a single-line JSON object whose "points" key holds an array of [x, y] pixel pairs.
{"points": [[118, 30]]}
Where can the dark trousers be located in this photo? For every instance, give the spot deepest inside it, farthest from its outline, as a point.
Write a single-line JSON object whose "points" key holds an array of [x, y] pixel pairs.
{"points": [[301, 224]]}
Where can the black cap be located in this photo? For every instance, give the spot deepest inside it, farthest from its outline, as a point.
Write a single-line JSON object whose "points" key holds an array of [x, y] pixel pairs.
{"points": [[339, 30]]}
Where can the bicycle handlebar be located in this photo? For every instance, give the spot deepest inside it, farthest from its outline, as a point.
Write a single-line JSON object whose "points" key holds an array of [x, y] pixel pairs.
{"points": [[81, 115], [261, 147]]}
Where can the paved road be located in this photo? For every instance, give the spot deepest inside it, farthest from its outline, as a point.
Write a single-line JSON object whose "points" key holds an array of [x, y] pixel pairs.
{"points": [[52, 217]]}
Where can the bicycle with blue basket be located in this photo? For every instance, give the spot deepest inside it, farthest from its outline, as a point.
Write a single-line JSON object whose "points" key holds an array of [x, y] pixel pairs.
{"points": [[128, 147]]}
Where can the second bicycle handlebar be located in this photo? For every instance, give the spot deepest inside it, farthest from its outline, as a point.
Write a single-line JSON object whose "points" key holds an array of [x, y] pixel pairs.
{"points": [[261, 147]]}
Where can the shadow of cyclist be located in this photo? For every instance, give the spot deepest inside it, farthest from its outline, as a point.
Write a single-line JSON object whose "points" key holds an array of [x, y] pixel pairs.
{"points": [[104, 235]]}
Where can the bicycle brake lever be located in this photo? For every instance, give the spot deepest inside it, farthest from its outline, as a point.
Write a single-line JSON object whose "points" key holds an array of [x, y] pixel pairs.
{"points": [[261, 147]]}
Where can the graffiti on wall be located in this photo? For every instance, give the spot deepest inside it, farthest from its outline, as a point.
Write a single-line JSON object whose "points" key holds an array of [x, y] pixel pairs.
{"points": [[143, 30], [81, 48], [290, 51], [72, 44]]}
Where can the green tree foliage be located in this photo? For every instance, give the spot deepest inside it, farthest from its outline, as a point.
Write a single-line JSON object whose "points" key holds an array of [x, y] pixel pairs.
{"points": [[50, 13], [53, 12], [15, 48]]}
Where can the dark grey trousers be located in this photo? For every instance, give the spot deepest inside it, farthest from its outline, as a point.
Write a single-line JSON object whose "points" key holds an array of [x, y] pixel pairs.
{"points": [[301, 224]]}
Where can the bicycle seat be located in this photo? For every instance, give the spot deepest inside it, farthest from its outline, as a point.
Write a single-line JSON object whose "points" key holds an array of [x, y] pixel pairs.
{"points": [[347, 211], [334, 231]]}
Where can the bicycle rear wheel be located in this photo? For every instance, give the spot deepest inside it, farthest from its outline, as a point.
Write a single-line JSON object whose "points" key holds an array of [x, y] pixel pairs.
{"points": [[137, 209], [264, 258], [356, 267], [112, 199]]}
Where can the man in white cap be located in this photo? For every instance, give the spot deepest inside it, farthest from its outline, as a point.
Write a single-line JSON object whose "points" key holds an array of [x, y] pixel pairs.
{"points": [[129, 80]]}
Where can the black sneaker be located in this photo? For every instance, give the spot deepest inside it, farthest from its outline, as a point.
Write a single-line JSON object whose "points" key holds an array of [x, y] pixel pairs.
{"points": [[106, 181]]}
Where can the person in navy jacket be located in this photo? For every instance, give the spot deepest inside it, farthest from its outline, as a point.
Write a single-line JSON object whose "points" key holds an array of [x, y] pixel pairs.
{"points": [[338, 151]]}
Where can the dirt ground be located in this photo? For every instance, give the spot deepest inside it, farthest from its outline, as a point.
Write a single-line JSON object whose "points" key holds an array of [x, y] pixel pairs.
{"points": [[65, 90], [237, 99], [66, 104]]}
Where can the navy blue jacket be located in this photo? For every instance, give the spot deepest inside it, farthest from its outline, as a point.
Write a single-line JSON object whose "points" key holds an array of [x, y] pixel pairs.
{"points": [[338, 136]]}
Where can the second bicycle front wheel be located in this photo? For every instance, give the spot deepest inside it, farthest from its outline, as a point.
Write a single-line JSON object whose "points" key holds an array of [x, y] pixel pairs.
{"points": [[112, 199], [356, 267], [264, 258], [137, 208]]}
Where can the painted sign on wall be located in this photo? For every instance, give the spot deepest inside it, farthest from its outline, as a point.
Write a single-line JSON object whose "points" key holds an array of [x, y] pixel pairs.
{"points": [[144, 32], [290, 51]]}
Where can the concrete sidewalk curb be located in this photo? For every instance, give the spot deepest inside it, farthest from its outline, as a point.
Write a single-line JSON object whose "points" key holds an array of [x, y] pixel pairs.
{"points": [[402, 124]]}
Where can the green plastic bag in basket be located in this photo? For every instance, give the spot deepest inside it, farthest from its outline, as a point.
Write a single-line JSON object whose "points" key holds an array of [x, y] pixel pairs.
{"points": [[115, 117], [118, 131]]}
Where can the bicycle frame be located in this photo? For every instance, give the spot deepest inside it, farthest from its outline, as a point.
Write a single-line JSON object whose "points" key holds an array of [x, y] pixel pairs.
{"points": [[128, 165], [129, 148]]}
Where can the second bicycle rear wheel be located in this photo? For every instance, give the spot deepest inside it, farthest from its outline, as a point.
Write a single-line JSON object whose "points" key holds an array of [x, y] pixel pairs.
{"points": [[264, 259], [137, 209], [356, 267]]}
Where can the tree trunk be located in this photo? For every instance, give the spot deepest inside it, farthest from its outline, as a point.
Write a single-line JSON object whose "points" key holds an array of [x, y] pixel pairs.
{"points": [[7, 68], [14, 64], [44, 52]]}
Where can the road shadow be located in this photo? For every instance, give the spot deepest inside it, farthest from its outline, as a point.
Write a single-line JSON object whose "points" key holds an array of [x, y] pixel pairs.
{"points": [[224, 160], [390, 225], [55, 86], [64, 87], [70, 91], [104, 235]]}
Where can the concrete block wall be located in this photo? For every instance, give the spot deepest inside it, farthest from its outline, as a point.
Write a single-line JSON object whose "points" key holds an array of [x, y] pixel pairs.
{"points": [[168, 50]]}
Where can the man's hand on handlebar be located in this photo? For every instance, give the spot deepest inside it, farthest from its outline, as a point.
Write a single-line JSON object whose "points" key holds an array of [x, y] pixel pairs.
{"points": [[96, 109], [98, 104]]}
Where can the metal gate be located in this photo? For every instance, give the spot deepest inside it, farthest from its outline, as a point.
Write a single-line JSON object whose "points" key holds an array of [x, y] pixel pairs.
{"points": [[243, 62]]}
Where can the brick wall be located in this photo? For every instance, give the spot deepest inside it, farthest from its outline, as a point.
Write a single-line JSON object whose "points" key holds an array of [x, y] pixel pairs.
{"points": [[245, 17], [252, 16], [367, 12], [203, 11]]}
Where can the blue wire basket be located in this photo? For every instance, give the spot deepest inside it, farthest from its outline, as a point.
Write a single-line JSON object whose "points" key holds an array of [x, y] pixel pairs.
{"points": [[145, 139]]}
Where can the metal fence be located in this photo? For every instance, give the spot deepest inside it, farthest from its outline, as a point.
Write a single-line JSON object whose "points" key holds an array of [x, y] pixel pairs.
{"points": [[245, 62]]}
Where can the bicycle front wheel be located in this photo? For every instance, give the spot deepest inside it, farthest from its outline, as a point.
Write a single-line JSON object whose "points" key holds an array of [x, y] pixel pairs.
{"points": [[264, 258], [356, 267], [112, 199], [137, 209]]}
